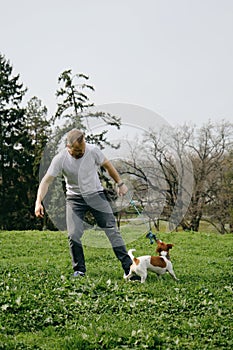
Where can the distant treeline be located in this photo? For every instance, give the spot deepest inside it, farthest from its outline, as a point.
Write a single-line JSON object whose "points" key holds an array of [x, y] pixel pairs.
{"points": [[203, 157]]}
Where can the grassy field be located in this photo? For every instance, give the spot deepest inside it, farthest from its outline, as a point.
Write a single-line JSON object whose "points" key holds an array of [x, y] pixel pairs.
{"points": [[43, 307]]}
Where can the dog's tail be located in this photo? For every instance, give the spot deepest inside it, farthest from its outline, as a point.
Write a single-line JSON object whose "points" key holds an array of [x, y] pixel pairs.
{"points": [[130, 252]]}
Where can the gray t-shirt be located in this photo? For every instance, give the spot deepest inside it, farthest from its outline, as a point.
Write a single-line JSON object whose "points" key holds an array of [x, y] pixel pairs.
{"points": [[81, 174]]}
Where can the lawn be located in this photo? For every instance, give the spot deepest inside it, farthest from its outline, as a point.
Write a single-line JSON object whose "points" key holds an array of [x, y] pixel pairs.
{"points": [[43, 307]]}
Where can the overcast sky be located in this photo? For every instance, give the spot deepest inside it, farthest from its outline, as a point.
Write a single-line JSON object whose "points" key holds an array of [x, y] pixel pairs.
{"points": [[173, 57]]}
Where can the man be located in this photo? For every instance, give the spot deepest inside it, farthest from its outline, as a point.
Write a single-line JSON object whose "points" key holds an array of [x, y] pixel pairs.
{"points": [[78, 163]]}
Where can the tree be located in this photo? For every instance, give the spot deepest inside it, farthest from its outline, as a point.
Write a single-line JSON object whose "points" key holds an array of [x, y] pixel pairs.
{"points": [[219, 208], [163, 172], [186, 172], [147, 168], [208, 147], [39, 130], [13, 140], [75, 108]]}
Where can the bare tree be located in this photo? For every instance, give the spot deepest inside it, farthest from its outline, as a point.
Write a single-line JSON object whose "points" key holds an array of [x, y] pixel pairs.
{"points": [[219, 208], [162, 170], [183, 175], [208, 147]]}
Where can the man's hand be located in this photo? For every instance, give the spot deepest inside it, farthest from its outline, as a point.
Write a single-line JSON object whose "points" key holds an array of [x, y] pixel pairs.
{"points": [[122, 189], [42, 190], [39, 210]]}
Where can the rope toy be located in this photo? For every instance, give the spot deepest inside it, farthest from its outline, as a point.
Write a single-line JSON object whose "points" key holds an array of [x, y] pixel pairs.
{"points": [[152, 237]]}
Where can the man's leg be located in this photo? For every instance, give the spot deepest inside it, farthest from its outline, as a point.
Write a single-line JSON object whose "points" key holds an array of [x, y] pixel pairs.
{"points": [[105, 219], [75, 211]]}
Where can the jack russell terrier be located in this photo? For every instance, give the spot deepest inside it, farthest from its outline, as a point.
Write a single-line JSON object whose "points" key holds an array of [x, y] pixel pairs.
{"points": [[158, 264]]}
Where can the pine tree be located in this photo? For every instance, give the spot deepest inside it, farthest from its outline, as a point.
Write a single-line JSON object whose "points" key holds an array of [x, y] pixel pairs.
{"points": [[39, 129], [74, 108], [14, 138]]}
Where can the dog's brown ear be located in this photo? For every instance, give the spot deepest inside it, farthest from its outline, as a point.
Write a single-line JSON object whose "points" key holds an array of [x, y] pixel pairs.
{"points": [[169, 246]]}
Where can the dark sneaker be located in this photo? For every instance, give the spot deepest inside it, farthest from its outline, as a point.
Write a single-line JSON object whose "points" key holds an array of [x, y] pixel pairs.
{"points": [[79, 273]]}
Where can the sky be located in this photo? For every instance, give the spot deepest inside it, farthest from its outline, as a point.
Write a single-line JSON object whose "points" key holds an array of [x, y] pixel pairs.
{"points": [[172, 57]]}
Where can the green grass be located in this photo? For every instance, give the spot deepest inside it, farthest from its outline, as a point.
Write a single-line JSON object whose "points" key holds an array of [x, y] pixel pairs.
{"points": [[43, 307]]}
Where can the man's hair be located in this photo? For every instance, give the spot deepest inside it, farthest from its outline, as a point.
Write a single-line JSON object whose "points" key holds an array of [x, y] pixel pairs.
{"points": [[75, 135]]}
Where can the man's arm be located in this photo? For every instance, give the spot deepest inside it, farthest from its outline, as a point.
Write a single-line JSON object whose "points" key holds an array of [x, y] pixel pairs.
{"points": [[42, 190], [122, 188]]}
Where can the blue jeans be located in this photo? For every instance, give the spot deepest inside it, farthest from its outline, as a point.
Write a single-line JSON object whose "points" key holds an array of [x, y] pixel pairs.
{"points": [[76, 208]]}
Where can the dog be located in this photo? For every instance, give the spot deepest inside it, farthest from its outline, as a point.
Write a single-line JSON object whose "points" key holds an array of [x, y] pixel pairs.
{"points": [[159, 264]]}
